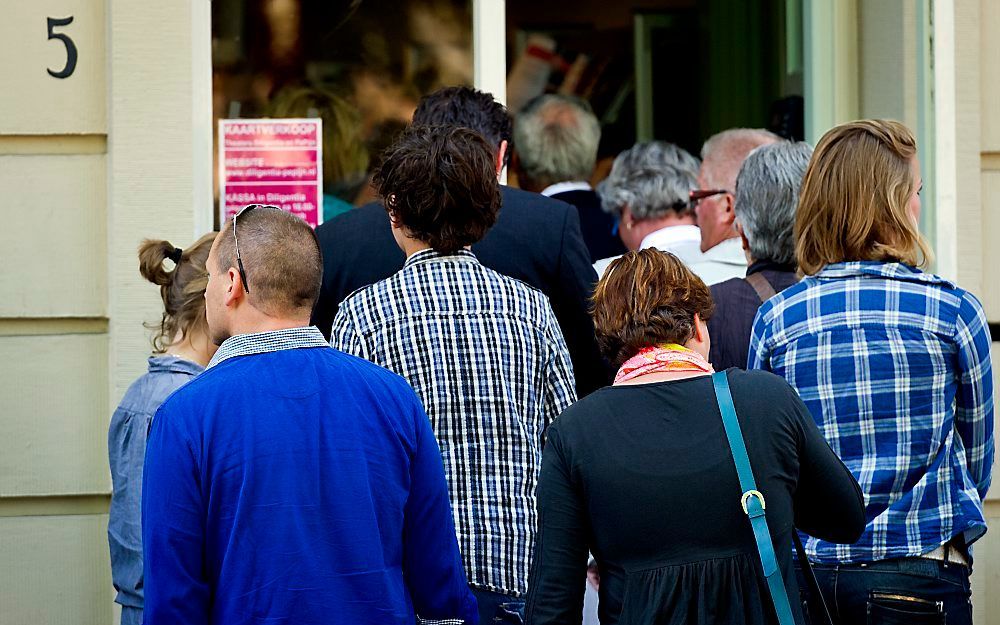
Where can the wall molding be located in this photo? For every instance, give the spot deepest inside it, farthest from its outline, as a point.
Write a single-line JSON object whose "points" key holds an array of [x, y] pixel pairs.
{"points": [[989, 161], [55, 505], [51, 326], [53, 144]]}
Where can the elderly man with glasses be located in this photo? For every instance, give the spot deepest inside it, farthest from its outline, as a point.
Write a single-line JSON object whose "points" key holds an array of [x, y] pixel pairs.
{"points": [[722, 155], [649, 190], [767, 194]]}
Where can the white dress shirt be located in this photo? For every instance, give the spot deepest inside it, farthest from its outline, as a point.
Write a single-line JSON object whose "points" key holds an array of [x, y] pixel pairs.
{"points": [[722, 262], [566, 187]]}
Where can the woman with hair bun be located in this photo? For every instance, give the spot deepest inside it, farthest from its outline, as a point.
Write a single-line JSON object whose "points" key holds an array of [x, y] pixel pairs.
{"points": [[181, 350]]}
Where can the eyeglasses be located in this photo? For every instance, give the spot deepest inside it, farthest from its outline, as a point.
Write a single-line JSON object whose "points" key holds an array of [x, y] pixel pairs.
{"points": [[698, 195], [239, 259]]}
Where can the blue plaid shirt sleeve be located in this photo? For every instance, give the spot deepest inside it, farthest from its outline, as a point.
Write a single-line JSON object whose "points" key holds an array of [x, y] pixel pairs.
{"points": [[759, 358], [974, 398]]}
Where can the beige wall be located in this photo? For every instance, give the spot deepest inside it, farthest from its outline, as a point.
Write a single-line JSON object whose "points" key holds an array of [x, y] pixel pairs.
{"points": [[89, 165], [53, 319], [966, 227], [967, 85]]}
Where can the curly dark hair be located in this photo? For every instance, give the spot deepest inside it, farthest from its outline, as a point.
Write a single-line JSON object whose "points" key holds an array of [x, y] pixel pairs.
{"points": [[471, 108], [647, 298], [440, 183]]}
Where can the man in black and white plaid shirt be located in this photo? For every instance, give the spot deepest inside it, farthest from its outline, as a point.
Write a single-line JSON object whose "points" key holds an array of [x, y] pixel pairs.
{"points": [[483, 351]]}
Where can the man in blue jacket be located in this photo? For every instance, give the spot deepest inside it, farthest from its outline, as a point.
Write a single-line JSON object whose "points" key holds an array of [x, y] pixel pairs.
{"points": [[292, 483]]}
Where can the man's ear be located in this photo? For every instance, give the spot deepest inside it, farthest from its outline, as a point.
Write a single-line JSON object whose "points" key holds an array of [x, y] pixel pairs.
{"points": [[743, 236], [627, 220], [501, 154], [698, 334], [730, 208], [234, 290]]}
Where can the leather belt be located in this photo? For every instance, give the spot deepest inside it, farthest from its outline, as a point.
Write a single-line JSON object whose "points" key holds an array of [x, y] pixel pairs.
{"points": [[947, 553]]}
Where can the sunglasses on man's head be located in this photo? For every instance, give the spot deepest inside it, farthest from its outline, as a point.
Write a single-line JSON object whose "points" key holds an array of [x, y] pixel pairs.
{"points": [[239, 259], [698, 195]]}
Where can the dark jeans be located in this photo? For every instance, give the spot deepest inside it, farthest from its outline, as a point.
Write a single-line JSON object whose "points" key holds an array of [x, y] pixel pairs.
{"points": [[497, 609], [906, 591]]}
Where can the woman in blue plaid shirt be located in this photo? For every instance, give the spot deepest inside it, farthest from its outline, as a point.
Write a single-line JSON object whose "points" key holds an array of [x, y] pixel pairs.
{"points": [[894, 365]]}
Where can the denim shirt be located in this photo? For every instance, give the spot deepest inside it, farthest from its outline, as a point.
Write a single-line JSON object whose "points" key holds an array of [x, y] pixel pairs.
{"points": [[126, 452]]}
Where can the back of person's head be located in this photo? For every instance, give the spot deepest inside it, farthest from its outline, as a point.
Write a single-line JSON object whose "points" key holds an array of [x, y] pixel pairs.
{"points": [[767, 194], [345, 156], [469, 108], [855, 196], [281, 260], [557, 138], [724, 153], [652, 179], [647, 298], [440, 184], [380, 139], [182, 288]]}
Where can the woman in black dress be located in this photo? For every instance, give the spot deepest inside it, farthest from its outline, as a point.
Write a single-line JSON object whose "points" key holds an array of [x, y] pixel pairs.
{"points": [[641, 474]]}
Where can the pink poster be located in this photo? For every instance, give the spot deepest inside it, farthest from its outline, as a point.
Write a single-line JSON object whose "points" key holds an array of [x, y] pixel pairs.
{"points": [[271, 161]]}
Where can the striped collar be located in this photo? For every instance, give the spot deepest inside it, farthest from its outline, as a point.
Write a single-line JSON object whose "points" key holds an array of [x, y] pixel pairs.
{"points": [[429, 254], [265, 342]]}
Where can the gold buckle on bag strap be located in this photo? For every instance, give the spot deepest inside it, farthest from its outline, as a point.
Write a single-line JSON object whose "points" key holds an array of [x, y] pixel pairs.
{"points": [[746, 497]]}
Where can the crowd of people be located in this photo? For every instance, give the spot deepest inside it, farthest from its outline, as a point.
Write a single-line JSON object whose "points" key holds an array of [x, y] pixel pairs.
{"points": [[724, 389]]}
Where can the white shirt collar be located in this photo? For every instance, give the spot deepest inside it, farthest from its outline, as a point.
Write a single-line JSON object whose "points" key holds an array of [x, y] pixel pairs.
{"points": [[729, 251], [664, 238], [566, 187]]}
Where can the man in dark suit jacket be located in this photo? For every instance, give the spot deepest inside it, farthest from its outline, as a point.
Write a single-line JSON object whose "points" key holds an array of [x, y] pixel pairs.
{"points": [[536, 240], [557, 137]]}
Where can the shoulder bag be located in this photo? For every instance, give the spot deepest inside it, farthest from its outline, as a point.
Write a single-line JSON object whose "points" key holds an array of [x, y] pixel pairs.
{"points": [[753, 505]]}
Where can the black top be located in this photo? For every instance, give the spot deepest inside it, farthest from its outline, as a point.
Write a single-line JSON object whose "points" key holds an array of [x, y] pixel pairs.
{"points": [[597, 225], [642, 476], [536, 240], [736, 304]]}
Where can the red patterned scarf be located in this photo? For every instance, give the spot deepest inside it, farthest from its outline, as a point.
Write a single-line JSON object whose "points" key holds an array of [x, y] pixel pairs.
{"points": [[668, 357]]}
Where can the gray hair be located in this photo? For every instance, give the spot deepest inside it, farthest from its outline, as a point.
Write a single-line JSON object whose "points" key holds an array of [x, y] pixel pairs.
{"points": [[652, 179], [557, 138], [767, 194], [724, 152]]}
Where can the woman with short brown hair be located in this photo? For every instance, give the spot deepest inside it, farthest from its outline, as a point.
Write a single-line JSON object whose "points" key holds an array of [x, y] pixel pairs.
{"points": [[894, 365], [641, 473]]}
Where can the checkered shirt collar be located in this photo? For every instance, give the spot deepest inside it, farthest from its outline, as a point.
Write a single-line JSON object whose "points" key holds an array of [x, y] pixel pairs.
{"points": [[424, 256], [265, 342], [875, 268]]}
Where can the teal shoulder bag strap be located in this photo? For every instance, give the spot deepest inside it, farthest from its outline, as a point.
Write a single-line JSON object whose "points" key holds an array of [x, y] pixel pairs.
{"points": [[752, 500]]}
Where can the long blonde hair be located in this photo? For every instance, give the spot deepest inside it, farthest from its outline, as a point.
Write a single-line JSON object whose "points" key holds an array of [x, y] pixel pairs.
{"points": [[853, 203]]}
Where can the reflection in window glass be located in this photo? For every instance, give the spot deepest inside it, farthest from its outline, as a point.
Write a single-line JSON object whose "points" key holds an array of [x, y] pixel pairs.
{"points": [[359, 65], [673, 70]]}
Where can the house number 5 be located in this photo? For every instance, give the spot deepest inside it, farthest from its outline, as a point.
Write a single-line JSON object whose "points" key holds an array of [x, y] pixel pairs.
{"points": [[70, 66]]}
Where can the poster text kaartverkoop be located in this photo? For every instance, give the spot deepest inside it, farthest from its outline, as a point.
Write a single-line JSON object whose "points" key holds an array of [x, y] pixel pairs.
{"points": [[271, 161]]}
